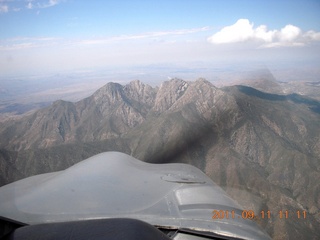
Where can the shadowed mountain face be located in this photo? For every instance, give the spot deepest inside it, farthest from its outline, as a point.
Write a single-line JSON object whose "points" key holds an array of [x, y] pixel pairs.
{"points": [[314, 105], [262, 148]]}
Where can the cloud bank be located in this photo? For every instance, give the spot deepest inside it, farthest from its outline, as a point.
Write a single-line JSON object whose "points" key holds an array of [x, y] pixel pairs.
{"points": [[244, 31], [40, 42]]}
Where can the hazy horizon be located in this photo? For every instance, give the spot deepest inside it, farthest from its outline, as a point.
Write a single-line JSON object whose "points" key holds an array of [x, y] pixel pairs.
{"points": [[63, 49], [61, 36]]}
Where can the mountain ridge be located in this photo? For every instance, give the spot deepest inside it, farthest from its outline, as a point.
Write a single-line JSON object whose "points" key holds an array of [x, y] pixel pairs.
{"points": [[263, 152]]}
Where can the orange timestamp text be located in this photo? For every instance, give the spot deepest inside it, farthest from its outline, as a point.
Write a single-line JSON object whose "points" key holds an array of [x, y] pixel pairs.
{"points": [[250, 214]]}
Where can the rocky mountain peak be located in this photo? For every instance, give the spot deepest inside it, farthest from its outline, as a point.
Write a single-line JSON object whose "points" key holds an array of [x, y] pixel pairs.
{"points": [[204, 81], [135, 84], [168, 93], [207, 100], [109, 93], [140, 92]]}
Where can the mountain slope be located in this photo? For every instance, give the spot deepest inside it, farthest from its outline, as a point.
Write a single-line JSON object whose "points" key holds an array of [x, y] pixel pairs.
{"points": [[109, 112], [262, 148]]}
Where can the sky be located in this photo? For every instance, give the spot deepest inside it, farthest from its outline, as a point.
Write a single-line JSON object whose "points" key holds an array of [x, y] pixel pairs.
{"points": [[53, 36]]}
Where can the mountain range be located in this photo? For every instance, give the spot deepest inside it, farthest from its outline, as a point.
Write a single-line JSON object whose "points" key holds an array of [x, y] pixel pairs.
{"points": [[263, 148]]}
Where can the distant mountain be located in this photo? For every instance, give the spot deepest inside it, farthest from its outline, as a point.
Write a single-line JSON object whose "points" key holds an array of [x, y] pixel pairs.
{"points": [[263, 80], [262, 148], [108, 113]]}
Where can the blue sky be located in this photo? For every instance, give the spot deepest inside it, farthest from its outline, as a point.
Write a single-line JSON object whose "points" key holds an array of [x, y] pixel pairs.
{"points": [[50, 36]]}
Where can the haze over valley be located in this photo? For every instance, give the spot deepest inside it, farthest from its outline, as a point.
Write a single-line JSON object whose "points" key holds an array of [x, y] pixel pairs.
{"points": [[20, 95]]}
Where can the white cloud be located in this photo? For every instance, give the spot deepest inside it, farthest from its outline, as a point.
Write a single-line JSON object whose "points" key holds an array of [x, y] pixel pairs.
{"points": [[26, 43], [4, 8], [45, 4], [29, 5], [262, 33], [51, 3], [312, 35], [143, 36], [18, 46], [238, 32], [243, 31], [289, 33]]}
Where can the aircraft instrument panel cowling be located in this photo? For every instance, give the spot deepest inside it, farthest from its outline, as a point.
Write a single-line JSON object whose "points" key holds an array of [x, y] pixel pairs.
{"points": [[116, 185]]}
